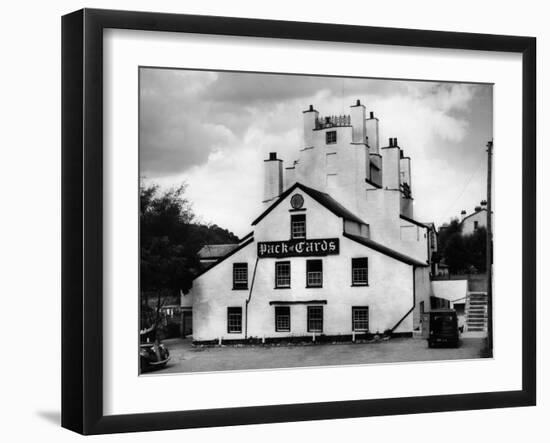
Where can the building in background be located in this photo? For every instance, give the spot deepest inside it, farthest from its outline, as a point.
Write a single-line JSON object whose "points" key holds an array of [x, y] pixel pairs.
{"points": [[477, 219], [335, 253]]}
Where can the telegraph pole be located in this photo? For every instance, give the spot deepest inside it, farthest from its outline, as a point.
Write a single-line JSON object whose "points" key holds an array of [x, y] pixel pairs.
{"points": [[489, 249]]}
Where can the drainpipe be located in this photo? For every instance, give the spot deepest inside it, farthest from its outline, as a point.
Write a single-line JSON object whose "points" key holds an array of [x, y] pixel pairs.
{"points": [[248, 299], [413, 306]]}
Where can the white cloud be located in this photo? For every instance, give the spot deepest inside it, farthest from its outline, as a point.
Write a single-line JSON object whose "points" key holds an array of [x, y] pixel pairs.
{"points": [[214, 130]]}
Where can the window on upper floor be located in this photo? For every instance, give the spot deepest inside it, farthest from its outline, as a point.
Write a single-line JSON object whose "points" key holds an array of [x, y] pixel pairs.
{"points": [[476, 225], [360, 271], [314, 273], [240, 275], [282, 274], [330, 137], [298, 226]]}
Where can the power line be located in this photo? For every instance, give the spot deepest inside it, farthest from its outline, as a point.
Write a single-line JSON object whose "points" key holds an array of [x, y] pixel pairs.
{"points": [[465, 187]]}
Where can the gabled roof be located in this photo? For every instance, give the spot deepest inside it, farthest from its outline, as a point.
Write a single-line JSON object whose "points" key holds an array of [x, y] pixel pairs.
{"points": [[320, 197], [237, 248], [210, 252], [384, 250]]}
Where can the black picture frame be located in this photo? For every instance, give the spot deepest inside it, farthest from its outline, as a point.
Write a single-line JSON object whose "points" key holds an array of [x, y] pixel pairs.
{"points": [[82, 218]]}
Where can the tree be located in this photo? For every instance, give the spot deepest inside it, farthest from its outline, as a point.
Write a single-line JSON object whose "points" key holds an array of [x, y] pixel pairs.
{"points": [[463, 253], [170, 239], [167, 264]]}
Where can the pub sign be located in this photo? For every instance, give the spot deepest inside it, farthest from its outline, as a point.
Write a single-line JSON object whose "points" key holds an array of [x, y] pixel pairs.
{"points": [[299, 248]]}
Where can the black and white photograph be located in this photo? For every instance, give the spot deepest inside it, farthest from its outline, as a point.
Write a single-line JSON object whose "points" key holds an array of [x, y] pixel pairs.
{"points": [[295, 221]]}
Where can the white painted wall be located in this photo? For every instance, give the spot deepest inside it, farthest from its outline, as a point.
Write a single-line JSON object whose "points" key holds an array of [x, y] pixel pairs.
{"points": [[389, 294], [468, 224]]}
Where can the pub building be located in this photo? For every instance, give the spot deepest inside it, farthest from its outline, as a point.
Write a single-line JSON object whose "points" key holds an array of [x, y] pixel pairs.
{"points": [[336, 252]]}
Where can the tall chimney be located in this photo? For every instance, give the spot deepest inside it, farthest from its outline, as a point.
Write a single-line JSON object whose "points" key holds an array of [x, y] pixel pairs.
{"points": [[405, 171], [310, 120], [391, 166], [372, 134], [358, 123], [273, 177]]}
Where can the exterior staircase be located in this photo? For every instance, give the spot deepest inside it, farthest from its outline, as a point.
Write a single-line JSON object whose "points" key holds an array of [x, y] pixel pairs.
{"points": [[476, 314]]}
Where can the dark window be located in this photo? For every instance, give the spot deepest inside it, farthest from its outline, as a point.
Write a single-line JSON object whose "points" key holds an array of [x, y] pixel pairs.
{"points": [[422, 307], [282, 318], [359, 271], [298, 226], [476, 225], [331, 137], [314, 319], [360, 319], [282, 274], [314, 273], [235, 320], [240, 275]]}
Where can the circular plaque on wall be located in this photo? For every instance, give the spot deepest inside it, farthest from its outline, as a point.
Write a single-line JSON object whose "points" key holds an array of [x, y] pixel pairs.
{"points": [[297, 201]]}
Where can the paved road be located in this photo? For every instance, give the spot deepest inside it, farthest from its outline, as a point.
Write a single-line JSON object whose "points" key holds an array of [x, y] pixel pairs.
{"points": [[187, 358]]}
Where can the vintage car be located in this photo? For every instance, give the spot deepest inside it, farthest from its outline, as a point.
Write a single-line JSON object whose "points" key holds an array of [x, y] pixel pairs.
{"points": [[443, 328], [152, 353]]}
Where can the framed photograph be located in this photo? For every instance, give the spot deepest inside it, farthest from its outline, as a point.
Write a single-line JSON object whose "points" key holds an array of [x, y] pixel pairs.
{"points": [[270, 221]]}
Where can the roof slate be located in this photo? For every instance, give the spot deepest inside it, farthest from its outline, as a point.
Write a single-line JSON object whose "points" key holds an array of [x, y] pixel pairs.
{"points": [[216, 251]]}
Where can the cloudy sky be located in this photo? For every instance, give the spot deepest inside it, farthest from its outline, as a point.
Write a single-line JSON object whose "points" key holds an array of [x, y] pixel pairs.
{"points": [[212, 130]]}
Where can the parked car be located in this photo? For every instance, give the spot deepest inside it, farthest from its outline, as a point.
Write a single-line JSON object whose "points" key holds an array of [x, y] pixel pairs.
{"points": [[152, 353], [443, 328]]}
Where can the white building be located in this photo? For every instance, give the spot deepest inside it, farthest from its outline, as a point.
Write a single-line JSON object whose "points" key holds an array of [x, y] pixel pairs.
{"points": [[477, 219], [336, 252]]}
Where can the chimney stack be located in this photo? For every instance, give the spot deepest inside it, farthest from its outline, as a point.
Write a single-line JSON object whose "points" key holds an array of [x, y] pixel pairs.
{"points": [[311, 116], [372, 133], [273, 177], [358, 134]]}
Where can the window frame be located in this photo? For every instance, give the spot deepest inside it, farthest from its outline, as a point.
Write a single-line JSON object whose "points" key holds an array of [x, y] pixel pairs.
{"points": [[278, 314], [277, 264], [240, 266], [309, 318], [235, 309], [297, 218], [359, 283], [308, 264], [328, 137], [359, 308]]}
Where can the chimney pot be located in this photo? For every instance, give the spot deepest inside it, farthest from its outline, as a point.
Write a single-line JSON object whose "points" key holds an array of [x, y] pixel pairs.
{"points": [[371, 114], [463, 212], [358, 102], [311, 107], [391, 141], [395, 141], [272, 156]]}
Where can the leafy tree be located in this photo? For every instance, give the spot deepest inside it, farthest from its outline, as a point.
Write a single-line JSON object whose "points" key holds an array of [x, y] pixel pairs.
{"points": [[463, 253], [170, 239]]}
